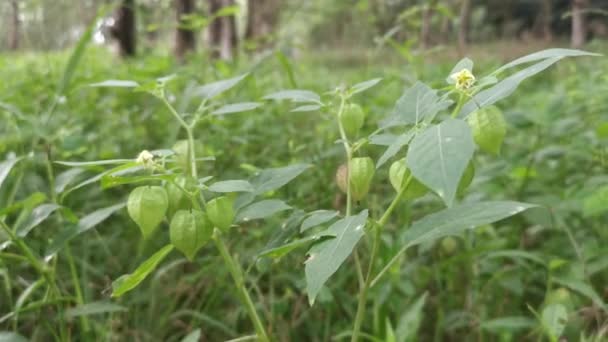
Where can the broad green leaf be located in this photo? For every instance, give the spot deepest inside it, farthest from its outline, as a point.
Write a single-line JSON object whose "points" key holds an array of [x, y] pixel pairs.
{"points": [[438, 157], [116, 84], [363, 86], [261, 209], [295, 95], [489, 129], [5, 168], [596, 203], [584, 289], [504, 88], [211, 90], [194, 336], [128, 282], [94, 308], [30, 202], [554, 318], [272, 179], [236, 185], [417, 104], [454, 220], [511, 323], [39, 214], [65, 178], [545, 54], [409, 323], [306, 108], [8, 336], [464, 63], [84, 224], [94, 163], [280, 251], [317, 218], [395, 147], [236, 108], [325, 257]]}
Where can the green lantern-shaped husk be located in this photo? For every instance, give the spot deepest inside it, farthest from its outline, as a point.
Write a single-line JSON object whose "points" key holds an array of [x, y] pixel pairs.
{"points": [[221, 212], [189, 231], [147, 206]]}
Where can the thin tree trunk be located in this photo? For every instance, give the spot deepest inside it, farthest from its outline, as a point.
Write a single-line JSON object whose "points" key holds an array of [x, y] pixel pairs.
{"points": [[16, 23], [222, 31], [262, 21], [579, 26], [185, 39], [465, 23], [124, 28], [547, 15], [425, 32]]}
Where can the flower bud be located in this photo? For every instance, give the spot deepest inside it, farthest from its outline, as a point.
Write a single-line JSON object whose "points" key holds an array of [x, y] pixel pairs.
{"points": [[220, 212], [189, 231], [352, 119], [147, 206]]}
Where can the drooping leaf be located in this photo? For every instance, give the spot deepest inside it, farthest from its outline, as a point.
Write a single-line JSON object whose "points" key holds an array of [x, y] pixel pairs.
{"points": [[417, 104], [363, 86], [454, 220], [261, 209], [94, 308], [272, 179], [236, 108], [295, 95], [325, 257], [39, 214], [317, 218], [236, 185], [544, 54], [128, 282], [211, 90], [65, 178], [438, 157]]}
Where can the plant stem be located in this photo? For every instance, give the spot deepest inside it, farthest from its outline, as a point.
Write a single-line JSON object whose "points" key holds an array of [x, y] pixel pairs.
{"points": [[84, 321], [458, 105], [188, 128], [29, 255], [239, 282], [374, 255], [349, 155]]}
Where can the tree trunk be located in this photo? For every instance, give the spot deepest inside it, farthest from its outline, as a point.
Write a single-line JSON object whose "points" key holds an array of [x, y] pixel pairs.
{"points": [[579, 26], [425, 32], [222, 31], [124, 28], [262, 20], [13, 43], [185, 39], [546, 18], [465, 23]]}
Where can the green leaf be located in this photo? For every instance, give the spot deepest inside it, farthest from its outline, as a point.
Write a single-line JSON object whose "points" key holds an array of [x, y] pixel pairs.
{"points": [[272, 179], [306, 108], [516, 254], [94, 308], [489, 129], [504, 88], [116, 84], [39, 214], [236, 108], [363, 86], [409, 323], [596, 203], [438, 157], [94, 163], [236, 185], [511, 323], [65, 178], [261, 209], [545, 54], [417, 104], [211, 90], [295, 95], [84, 224], [395, 147], [317, 218], [287, 67], [128, 282], [554, 318], [7, 336], [194, 336], [583, 289], [280, 251], [325, 257], [454, 220], [5, 168]]}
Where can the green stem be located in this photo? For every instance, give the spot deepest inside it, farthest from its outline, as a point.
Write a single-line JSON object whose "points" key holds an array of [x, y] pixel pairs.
{"points": [[459, 105], [349, 154], [374, 255], [188, 128], [84, 321], [239, 282], [29, 255]]}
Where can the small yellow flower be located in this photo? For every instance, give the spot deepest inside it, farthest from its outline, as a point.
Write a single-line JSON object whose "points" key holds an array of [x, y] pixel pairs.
{"points": [[464, 79], [146, 158]]}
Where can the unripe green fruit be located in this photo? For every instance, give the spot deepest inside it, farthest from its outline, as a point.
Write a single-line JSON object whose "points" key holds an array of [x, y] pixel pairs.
{"points": [[398, 175], [147, 206], [177, 198], [352, 119], [449, 245], [221, 212], [189, 231], [361, 174], [466, 179]]}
